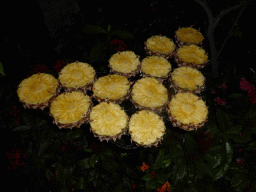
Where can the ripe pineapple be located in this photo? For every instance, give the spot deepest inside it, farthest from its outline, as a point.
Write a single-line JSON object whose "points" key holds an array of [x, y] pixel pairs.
{"points": [[187, 79], [157, 67], [77, 76], [187, 111], [38, 90], [191, 55], [149, 93], [108, 121], [146, 128], [71, 109], [125, 63], [160, 46], [188, 35], [114, 88]]}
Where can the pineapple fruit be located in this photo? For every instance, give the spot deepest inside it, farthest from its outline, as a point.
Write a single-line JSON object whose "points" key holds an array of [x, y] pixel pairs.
{"points": [[146, 128], [187, 79], [114, 88], [38, 90], [71, 109], [160, 46], [187, 111], [77, 76], [191, 55], [157, 67], [125, 63], [188, 35], [149, 93], [108, 121]]}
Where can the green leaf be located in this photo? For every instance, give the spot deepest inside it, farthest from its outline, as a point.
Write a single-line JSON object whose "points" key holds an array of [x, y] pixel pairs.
{"points": [[80, 183], [166, 163], [109, 164], [220, 172], [236, 95], [251, 146], [201, 166], [94, 159], [237, 179], [162, 178], [179, 171], [43, 147], [64, 189], [93, 29], [191, 171], [49, 174], [155, 166], [22, 128], [147, 177], [223, 120], [96, 51], [160, 156], [236, 130], [109, 28], [216, 161], [229, 151], [84, 163], [152, 184], [123, 34], [236, 168], [1, 68], [87, 150], [74, 134]]}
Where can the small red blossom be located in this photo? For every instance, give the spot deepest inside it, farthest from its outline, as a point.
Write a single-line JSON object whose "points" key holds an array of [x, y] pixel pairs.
{"points": [[240, 161], [154, 8], [245, 85], [59, 65], [220, 101], [153, 175], [223, 86], [133, 186], [204, 141], [16, 113], [120, 43], [16, 158], [40, 68], [144, 167], [165, 187]]}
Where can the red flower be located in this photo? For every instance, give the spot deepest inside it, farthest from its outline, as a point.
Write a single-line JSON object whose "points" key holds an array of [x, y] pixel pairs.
{"points": [[240, 161], [223, 86], [120, 43], [16, 113], [222, 102], [204, 141], [144, 167], [40, 68], [245, 85], [154, 8], [15, 158], [153, 175], [59, 65], [252, 95]]}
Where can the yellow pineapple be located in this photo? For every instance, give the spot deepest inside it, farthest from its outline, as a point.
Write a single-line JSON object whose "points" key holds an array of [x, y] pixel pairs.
{"points": [[149, 93], [187, 111], [108, 121], [160, 46], [114, 88], [125, 63], [188, 35], [77, 76], [191, 55], [187, 79], [71, 109], [38, 90], [156, 66], [146, 128]]}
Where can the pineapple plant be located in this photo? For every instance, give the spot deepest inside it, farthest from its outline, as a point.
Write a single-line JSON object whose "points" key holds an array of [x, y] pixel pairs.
{"points": [[108, 121], [125, 63], [77, 76], [149, 93], [157, 67], [187, 79], [187, 111], [160, 46], [146, 128], [191, 55], [71, 109], [188, 36], [38, 90], [114, 88]]}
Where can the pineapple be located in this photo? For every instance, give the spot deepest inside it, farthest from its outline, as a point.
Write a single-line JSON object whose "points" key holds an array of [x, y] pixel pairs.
{"points": [[114, 88], [125, 63], [77, 76], [108, 121], [149, 93], [160, 46], [38, 90], [187, 111], [71, 109], [187, 79], [146, 128], [191, 55], [188, 35], [157, 67]]}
